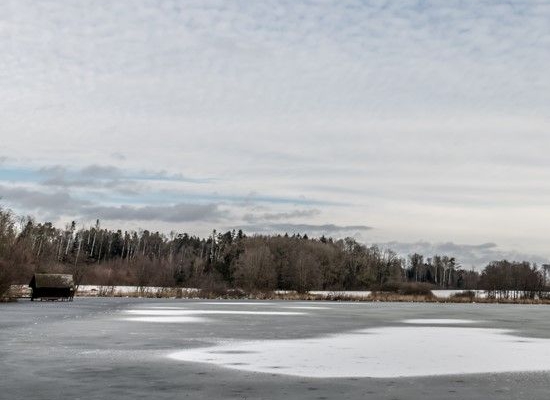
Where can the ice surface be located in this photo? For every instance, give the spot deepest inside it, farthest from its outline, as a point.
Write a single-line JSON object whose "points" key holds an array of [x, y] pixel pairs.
{"points": [[385, 352]]}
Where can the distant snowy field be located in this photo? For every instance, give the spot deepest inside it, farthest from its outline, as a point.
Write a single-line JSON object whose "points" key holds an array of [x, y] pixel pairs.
{"points": [[357, 294]]}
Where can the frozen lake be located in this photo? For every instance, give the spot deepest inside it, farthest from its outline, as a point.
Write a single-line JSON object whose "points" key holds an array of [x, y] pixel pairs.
{"points": [[98, 348]]}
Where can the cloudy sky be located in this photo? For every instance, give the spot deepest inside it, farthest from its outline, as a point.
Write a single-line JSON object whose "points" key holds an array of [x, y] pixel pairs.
{"points": [[421, 123]]}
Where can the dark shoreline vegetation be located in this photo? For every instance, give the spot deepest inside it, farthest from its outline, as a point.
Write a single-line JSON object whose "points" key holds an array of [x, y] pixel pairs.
{"points": [[233, 265]]}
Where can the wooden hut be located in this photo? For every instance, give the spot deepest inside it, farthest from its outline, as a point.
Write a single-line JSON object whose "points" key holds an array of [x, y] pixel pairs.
{"points": [[52, 287]]}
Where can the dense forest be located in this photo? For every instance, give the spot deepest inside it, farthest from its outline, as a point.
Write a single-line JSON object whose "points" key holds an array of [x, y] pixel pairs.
{"points": [[231, 259]]}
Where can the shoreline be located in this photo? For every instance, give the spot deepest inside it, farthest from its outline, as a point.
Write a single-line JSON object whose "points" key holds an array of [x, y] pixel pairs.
{"points": [[436, 296]]}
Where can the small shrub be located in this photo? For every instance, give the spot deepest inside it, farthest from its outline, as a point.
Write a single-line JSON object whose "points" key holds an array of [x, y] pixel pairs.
{"points": [[466, 295], [423, 289], [106, 291], [389, 287], [5, 280], [236, 294], [405, 288], [213, 288]]}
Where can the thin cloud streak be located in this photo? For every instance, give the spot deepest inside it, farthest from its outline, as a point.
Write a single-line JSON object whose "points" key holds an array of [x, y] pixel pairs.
{"points": [[310, 229], [251, 217], [174, 214]]}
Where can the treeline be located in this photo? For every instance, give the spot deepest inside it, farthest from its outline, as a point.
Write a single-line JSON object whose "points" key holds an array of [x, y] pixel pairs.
{"points": [[95, 255]]}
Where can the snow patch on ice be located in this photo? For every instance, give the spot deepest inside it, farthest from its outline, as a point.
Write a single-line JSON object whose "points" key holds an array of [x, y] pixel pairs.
{"points": [[182, 312], [385, 352], [439, 321], [167, 319]]}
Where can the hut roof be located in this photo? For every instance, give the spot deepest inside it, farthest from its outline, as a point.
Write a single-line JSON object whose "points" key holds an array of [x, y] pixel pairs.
{"points": [[52, 281]]}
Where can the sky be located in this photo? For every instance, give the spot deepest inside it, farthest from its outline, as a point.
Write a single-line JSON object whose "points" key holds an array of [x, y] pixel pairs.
{"points": [[420, 125]]}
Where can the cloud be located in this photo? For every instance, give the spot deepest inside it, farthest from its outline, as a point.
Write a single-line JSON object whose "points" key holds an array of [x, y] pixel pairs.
{"points": [[118, 156], [89, 177], [167, 176], [468, 255], [54, 205], [50, 205], [310, 229], [101, 171], [98, 175], [277, 216], [177, 213], [90, 173], [107, 176]]}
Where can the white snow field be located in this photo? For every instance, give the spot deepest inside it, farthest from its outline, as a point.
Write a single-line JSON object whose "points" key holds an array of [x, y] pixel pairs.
{"points": [[384, 352], [352, 294]]}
